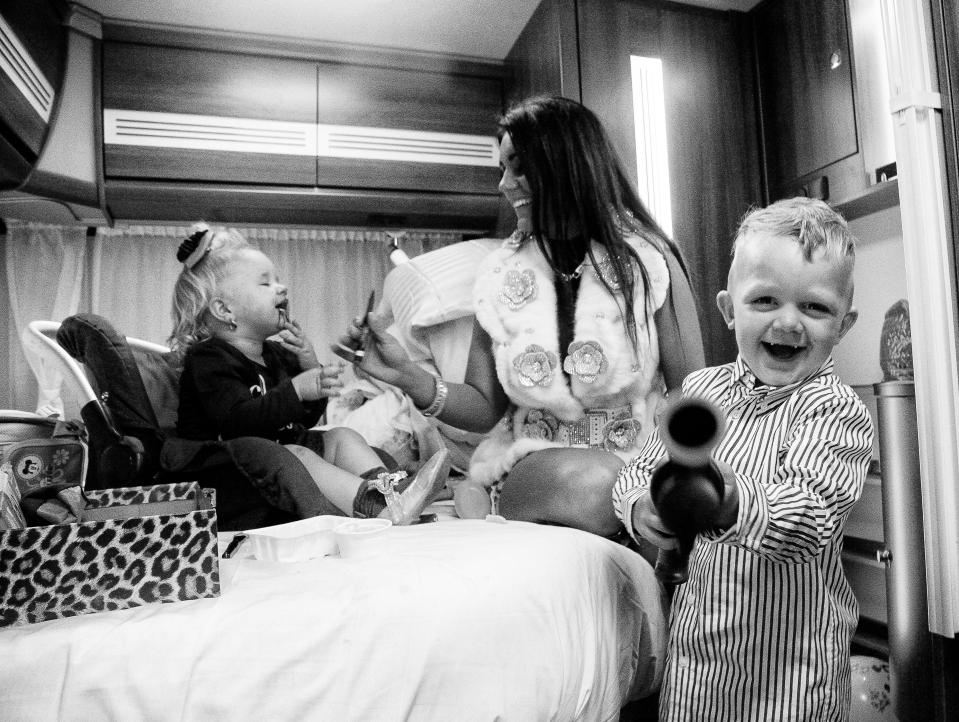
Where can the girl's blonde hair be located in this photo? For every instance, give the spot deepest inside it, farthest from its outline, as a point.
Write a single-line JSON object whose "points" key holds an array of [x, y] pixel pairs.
{"points": [[196, 286]]}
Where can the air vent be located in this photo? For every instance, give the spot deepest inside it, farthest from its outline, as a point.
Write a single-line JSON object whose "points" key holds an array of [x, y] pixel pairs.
{"points": [[243, 135], [206, 132], [16, 62], [410, 145]]}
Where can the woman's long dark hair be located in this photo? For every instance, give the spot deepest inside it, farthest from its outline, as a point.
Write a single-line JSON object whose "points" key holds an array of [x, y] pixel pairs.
{"points": [[580, 193]]}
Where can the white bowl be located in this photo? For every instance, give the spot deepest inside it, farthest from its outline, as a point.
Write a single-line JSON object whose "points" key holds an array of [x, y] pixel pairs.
{"points": [[360, 538], [295, 541]]}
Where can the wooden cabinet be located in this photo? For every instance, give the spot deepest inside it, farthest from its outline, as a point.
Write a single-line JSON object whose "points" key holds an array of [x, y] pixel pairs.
{"points": [[806, 90], [34, 42], [188, 82], [307, 130], [824, 103]]}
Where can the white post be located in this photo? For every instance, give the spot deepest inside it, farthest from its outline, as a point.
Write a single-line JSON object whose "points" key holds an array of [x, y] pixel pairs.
{"points": [[927, 240]]}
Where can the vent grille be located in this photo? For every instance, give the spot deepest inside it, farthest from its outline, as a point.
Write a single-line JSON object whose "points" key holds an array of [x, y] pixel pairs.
{"points": [[241, 135], [407, 145], [206, 132], [16, 62]]}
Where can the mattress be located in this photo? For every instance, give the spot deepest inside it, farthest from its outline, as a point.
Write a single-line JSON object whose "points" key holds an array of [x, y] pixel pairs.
{"points": [[461, 620]]}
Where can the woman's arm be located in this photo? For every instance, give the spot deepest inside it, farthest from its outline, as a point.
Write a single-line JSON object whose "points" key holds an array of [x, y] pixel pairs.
{"points": [[474, 405], [677, 325], [479, 402]]}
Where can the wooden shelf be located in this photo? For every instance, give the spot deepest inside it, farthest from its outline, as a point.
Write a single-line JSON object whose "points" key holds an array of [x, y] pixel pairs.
{"points": [[876, 198]]}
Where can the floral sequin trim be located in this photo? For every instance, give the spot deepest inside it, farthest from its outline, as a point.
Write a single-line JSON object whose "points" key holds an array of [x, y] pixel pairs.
{"points": [[605, 270], [540, 424], [519, 288], [535, 366], [620, 434], [518, 238], [586, 361]]}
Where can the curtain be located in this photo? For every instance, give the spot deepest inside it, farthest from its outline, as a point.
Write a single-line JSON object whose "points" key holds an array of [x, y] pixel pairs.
{"points": [[44, 265], [126, 274]]}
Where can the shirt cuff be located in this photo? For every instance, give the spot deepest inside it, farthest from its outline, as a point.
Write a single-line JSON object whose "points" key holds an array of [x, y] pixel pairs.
{"points": [[626, 503]]}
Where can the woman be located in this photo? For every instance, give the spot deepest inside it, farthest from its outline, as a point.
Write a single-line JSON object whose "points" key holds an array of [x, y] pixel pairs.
{"points": [[584, 318]]}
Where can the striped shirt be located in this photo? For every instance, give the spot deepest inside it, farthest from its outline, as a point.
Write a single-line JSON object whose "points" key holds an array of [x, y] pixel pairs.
{"points": [[762, 628]]}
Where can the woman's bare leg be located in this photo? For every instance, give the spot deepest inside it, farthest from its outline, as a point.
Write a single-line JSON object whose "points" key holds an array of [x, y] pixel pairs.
{"points": [[569, 487]]}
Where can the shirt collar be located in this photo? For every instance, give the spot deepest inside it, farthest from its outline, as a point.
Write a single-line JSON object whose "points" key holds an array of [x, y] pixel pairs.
{"points": [[747, 379]]}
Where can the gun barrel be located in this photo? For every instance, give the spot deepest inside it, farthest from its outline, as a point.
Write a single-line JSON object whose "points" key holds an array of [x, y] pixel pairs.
{"points": [[686, 491], [690, 429]]}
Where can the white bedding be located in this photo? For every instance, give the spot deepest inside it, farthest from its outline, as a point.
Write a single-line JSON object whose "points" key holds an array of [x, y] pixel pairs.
{"points": [[460, 620]]}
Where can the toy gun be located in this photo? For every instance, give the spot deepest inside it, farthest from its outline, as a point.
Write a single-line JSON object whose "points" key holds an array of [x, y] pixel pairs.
{"points": [[686, 489]]}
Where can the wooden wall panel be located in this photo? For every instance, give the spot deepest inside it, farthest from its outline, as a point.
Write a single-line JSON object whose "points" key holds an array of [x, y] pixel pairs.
{"points": [[203, 82], [407, 99], [711, 127], [545, 58], [398, 175], [807, 103], [223, 203], [130, 161]]}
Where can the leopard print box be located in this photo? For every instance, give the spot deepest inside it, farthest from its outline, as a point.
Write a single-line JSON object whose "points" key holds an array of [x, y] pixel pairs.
{"points": [[63, 570]]}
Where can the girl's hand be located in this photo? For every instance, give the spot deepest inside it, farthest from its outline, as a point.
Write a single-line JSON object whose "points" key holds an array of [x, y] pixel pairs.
{"points": [[649, 526], [292, 338], [320, 382]]}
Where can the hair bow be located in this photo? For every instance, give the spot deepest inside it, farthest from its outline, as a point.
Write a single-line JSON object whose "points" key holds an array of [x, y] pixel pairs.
{"points": [[194, 248]]}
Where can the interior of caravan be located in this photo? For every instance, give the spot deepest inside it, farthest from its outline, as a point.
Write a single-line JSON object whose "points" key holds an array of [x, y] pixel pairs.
{"points": [[344, 140]]}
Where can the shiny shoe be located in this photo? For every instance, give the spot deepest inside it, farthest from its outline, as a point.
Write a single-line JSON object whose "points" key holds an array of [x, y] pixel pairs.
{"points": [[406, 508], [471, 500]]}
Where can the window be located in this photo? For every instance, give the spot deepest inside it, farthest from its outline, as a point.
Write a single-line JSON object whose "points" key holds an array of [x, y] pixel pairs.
{"points": [[649, 121]]}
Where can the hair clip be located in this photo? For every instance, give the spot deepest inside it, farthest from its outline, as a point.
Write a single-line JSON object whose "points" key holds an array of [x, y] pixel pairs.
{"points": [[194, 248]]}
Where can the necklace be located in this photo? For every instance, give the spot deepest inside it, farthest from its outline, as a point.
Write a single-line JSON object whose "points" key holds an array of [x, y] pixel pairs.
{"points": [[567, 277], [519, 237]]}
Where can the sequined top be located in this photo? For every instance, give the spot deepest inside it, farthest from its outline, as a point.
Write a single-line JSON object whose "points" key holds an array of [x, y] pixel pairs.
{"points": [[515, 302]]}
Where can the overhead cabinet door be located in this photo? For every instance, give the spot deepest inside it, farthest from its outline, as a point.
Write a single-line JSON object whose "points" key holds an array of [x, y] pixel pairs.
{"points": [[806, 88], [200, 115]]}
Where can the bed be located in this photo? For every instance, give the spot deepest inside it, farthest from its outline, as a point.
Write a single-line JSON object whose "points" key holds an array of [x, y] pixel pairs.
{"points": [[455, 620]]}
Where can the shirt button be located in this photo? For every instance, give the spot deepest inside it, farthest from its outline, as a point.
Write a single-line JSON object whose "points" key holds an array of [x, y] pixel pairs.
{"points": [[683, 663], [735, 413]]}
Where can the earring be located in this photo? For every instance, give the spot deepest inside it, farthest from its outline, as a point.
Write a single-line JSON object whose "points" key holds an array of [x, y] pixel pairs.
{"points": [[232, 325]]}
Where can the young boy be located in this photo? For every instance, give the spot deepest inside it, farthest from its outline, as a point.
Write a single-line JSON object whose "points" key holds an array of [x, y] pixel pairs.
{"points": [[761, 629]]}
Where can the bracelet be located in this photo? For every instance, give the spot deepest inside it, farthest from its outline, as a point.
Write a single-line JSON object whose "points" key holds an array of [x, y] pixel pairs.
{"points": [[439, 399]]}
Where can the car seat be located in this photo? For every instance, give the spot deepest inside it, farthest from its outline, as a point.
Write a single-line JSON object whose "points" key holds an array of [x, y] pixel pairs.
{"points": [[131, 416]]}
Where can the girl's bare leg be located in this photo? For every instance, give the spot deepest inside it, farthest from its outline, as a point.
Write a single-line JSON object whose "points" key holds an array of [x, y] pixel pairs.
{"points": [[569, 487], [348, 450], [337, 485], [341, 487]]}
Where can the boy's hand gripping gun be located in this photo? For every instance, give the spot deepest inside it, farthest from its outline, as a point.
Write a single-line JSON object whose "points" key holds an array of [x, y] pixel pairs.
{"points": [[687, 489]]}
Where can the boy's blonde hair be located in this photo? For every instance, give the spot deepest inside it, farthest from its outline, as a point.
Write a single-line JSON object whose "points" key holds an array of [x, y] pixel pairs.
{"points": [[196, 286], [811, 222]]}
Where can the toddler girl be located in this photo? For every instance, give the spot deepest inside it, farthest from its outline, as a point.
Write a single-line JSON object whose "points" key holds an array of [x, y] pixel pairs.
{"points": [[227, 302]]}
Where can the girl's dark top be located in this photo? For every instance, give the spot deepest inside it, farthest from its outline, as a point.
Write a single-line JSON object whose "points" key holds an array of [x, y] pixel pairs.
{"points": [[223, 395]]}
